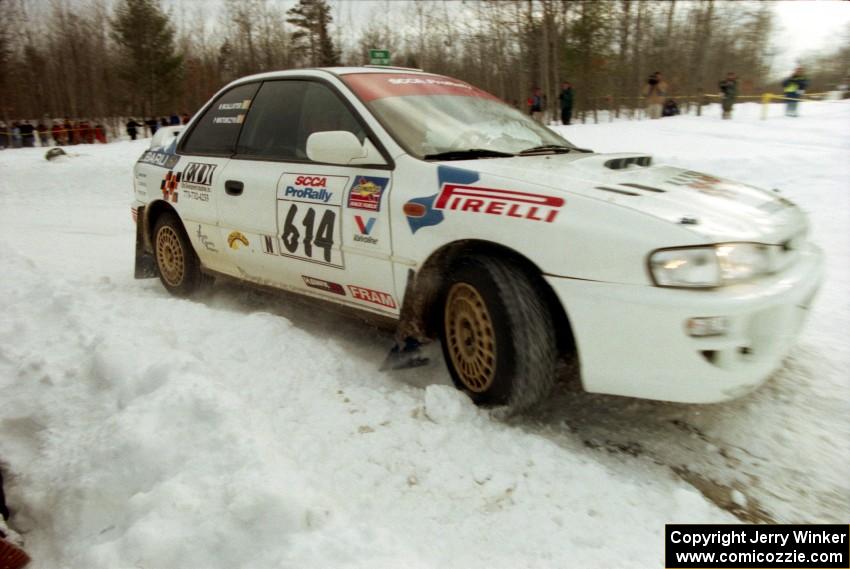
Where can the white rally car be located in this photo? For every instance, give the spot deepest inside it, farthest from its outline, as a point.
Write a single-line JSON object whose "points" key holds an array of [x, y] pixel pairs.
{"points": [[426, 201]]}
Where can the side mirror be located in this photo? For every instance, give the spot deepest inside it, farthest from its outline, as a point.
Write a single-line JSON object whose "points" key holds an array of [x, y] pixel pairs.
{"points": [[341, 147]]}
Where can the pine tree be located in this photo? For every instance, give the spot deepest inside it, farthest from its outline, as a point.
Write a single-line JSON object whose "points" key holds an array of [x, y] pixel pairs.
{"points": [[312, 18], [149, 63]]}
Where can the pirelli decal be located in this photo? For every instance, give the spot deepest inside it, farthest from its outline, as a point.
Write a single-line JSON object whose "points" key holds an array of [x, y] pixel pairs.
{"points": [[507, 203]]}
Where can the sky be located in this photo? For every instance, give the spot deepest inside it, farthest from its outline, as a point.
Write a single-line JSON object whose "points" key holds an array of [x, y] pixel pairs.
{"points": [[804, 26]]}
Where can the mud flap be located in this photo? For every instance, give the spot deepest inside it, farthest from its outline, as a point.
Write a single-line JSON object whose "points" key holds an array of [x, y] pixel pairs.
{"points": [[145, 262], [406, 356]]}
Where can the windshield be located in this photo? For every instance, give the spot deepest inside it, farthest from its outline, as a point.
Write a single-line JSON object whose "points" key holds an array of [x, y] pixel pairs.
{"points": [[431, 115]]}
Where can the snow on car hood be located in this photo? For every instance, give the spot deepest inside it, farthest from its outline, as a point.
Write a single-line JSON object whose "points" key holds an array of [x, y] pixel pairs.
{"points": [[719, 209]]}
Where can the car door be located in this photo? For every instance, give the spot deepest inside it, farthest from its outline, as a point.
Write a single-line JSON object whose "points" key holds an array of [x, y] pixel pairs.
{"points": [[190, 185], [319, 228]]}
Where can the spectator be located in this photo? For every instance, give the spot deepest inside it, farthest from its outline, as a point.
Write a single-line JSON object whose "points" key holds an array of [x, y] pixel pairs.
{"points": [[27, 134], [43, 134], [536, 104], [671, 108], [86, 134], [163, 121], [16, 135], [58, 133], [100, 133], [152, 125], [133, 129], [174, 120], [794, 87], [566, 98], [655, 90], [4, 135], [69, 132], [185, 118], [729, 88]]}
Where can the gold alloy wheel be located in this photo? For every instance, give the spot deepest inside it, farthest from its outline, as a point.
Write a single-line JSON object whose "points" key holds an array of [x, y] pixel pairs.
{"points": [[470, 339], [169, 253]]}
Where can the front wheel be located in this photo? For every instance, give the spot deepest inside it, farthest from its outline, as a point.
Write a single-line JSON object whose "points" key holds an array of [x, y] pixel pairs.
{"points": [[497, 334], [178, 265]]}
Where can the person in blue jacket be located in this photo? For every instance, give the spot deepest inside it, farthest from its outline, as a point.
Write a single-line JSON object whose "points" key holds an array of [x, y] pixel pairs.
{"points": [[793, 89]]}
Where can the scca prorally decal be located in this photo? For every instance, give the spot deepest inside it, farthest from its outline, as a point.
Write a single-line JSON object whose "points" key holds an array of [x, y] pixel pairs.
{"points": [[162, 159], [238, 119], [373, 296], [420, 212], [364, 228], [169, 186], [324, 285], [365, 193], [309, 188]]}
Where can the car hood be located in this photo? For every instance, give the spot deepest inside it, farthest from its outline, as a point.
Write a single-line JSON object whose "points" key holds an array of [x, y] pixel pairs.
{"points": [[716, 208]]}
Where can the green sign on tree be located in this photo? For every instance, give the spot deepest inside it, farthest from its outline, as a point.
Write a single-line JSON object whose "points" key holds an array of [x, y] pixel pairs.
{"points": [[379, 56]]}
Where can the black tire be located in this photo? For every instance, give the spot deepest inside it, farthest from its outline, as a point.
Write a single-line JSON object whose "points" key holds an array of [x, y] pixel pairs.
{"points": [[487, 301], [176, 261]]}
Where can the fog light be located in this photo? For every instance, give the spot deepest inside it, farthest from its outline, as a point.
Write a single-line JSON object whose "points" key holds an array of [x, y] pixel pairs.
{"points": [[707, 326]]}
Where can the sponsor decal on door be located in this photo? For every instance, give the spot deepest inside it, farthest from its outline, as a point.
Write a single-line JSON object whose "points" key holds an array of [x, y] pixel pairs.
{"points": [[366, 192], [365, 225], [323, 285], [309, 219]]}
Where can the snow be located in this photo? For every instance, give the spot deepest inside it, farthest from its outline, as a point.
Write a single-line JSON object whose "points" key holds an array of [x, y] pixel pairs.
{"points": [[246, 429]]}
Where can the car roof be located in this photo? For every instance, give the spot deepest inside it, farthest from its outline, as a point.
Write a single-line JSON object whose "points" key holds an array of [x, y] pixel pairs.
{"points": [[331, 71]]}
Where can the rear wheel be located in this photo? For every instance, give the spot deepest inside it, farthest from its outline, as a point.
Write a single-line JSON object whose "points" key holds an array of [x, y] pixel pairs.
{"points": [[178, 265], [498, 336]]}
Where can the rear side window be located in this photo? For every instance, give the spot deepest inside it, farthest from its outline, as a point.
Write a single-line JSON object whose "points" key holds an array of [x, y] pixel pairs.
{"points": [[216, 131], [285, 113]]}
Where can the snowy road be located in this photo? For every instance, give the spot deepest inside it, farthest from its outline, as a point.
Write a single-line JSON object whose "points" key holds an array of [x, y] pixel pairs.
{"points": [[246, 429]]}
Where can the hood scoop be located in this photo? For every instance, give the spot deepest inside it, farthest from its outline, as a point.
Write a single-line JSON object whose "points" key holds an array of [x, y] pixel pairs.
{"points": [[626, 161]]}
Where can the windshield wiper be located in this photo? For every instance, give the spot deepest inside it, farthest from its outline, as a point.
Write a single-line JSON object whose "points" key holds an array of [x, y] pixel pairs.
{"points": [[467, 153], [557, 148]]}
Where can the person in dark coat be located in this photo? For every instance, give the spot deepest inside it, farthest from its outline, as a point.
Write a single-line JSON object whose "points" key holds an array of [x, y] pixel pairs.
{"points": [[729, 88], [536, 104], [566, 99], [68, 127], [57, 133], [153, 125], [133, 129], [174, 120], [43, 134], [27, 134], [5, 135], [671, 108], [793, 89], [163, 121]]}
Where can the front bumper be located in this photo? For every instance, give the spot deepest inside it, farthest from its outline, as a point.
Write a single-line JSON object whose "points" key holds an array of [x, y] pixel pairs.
{"points": [[632, 340]]}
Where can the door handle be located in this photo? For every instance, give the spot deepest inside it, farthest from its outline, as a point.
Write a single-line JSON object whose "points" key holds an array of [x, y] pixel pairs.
{"points": [[234, 187]]}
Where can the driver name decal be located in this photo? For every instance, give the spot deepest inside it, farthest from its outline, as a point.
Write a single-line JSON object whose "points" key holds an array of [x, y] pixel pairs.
{"points": [[521, 205]]}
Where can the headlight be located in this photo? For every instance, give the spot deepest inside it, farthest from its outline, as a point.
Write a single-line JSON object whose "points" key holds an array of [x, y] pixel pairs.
{"points": [[709, 266]]}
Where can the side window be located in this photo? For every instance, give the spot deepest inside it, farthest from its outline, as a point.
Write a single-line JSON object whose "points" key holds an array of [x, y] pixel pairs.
{"points": [[217, 130], [285, 113], [271, 130]]}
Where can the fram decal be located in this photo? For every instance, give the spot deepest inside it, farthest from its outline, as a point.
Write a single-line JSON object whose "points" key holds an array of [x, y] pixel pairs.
{"points": [[364, 228], [373, 296], [235, 238], [324, 285], [169, 186], [366, 191]]}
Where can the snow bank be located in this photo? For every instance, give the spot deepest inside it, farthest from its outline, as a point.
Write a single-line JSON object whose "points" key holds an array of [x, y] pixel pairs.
{"points": [[245, 430]]}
